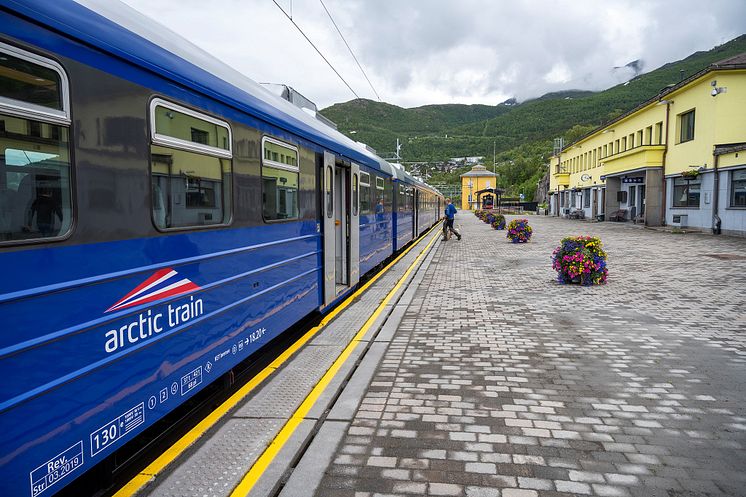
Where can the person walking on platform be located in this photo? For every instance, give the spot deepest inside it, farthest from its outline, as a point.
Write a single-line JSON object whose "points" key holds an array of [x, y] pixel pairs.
{"points": [[448, 224]]}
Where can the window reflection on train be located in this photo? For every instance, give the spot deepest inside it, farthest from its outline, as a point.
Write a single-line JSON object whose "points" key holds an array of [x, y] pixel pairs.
{"points": [[191, 171], [280, 180], [35, 197], [35, 179]]}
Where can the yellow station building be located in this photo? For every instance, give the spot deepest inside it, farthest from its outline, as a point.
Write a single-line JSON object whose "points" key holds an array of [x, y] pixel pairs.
{"points": [[473, 182], [676, 159]]}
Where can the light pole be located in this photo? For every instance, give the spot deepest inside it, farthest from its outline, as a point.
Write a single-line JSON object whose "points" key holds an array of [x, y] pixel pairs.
{"points": [[494, 165]]}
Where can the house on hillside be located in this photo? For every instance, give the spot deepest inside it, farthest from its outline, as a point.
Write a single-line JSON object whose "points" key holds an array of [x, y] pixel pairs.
{"points": [[676, 159]]}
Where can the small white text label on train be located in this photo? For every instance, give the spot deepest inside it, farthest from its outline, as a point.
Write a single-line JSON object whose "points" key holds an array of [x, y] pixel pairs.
{"points": [[149, 324], [56, 469]]}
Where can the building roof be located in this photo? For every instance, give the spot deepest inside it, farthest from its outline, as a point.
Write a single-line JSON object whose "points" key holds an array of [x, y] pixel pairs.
{"points": [[729, 148], [735, 62], [479, 170], [496, 191]]}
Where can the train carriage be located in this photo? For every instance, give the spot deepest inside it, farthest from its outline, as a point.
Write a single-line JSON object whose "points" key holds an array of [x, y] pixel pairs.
{"points": [[162, 218]]}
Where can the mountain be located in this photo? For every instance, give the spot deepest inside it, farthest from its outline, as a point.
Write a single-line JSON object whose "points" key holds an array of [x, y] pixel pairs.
{"points": [[520, 133], [472, 129]]}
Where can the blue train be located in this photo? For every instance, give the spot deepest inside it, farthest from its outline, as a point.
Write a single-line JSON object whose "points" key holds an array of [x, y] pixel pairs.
{"points": [[162, 218]]}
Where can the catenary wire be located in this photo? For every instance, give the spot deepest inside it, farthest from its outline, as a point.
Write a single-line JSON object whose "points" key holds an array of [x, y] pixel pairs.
{"points": [[350, 49], [317, 50]]}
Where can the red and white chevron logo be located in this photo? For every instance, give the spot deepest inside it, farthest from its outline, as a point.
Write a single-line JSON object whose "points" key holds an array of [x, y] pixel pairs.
{"points": [[162, 284]]}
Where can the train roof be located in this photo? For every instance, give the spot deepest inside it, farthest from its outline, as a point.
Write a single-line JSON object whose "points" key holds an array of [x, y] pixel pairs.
{"points": [[405, 176], [122, 31]]}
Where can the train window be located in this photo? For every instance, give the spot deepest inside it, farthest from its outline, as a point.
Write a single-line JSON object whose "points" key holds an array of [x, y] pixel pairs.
{"points": [[381, 202], [387, 195], [402, 200], [32, 86], [364, 178], [329, 192], [365, 204], [35, 188], [180, 127], [280, 180], [190, 167], [355, 195]]}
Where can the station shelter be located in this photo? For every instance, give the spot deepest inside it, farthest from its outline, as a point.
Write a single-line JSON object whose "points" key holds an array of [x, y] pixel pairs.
{"points": [[489, 198]]}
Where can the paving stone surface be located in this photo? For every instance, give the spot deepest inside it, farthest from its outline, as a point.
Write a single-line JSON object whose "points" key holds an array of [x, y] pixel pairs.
{"points": [[501, 382]]}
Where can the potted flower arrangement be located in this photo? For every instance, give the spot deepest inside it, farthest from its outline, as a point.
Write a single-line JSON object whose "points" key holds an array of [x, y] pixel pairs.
{"points": [[580, 259], [498, 222], [519, 231], [690, 174]]}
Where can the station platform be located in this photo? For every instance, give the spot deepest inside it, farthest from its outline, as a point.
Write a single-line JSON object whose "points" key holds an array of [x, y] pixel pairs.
{"points": [[466, 370]]}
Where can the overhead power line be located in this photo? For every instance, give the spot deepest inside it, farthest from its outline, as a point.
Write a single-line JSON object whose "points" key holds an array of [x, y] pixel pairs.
{"points": [[314, 46], [350, 49]]}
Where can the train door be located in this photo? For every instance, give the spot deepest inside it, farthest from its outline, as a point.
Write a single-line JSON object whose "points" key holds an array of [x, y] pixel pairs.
{"points": [[329, 237], [341, 226], [415, 212], [354, 224]]}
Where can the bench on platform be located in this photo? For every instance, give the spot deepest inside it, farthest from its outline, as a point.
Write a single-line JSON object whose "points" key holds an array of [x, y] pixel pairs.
{"points": [[620, 215]]}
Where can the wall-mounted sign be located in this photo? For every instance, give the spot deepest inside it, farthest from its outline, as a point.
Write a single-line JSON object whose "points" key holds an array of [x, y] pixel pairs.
{"points": [[639, 179], [585, 177]]}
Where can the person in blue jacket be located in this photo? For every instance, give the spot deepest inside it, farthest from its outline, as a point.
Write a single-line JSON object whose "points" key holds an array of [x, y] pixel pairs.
{"points": [[450, 215]]}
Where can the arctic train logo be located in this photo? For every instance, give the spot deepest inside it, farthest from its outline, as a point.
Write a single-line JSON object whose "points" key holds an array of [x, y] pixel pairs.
{"points": [[164, 283], [155, 320]]}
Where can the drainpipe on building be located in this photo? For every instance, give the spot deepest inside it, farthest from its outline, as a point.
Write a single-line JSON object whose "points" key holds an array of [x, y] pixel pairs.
{"points": [[557, 202], [663, 165], [716, 221]]}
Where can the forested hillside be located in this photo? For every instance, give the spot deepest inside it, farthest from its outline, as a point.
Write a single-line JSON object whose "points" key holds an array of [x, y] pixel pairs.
{"points": [[521, 133]]}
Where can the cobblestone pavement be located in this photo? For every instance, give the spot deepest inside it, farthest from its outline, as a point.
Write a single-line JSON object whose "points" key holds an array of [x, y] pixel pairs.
{"points": [[501, 382]]}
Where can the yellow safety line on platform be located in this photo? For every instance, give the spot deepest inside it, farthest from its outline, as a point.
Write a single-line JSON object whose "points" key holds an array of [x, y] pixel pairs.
{"points": [[160, 463], [261, 464]]}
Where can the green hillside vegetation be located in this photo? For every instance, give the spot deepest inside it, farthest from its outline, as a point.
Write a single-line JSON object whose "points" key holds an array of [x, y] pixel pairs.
{"points": [[362, 113], [521, 133]]}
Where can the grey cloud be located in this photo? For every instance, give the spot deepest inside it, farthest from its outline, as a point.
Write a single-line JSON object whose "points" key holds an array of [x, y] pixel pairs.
{"points": [[528, 38], [435, 51]]}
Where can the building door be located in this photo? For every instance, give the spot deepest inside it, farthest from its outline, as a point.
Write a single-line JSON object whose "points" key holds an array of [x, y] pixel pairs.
{"points": [[594, 205], [642, 200]]}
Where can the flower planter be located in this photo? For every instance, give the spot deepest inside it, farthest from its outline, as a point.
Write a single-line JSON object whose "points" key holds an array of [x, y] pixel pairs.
{"points": [[581, 260], [519, 231]]}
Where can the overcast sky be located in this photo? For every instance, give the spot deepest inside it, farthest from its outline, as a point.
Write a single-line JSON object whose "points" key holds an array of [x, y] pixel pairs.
{"points": [[418, 52]]}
